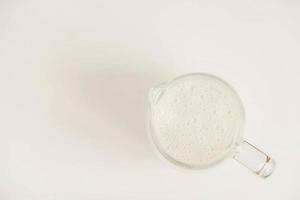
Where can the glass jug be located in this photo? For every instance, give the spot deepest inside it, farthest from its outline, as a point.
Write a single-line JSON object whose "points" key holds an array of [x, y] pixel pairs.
{"points": [[197, 120]]}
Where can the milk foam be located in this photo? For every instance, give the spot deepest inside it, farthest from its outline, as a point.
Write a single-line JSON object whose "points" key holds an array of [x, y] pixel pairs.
{"points": [[196, 120]]}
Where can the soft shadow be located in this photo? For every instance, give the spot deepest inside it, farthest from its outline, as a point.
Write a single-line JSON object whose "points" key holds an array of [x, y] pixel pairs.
{"points": [[107, 105]]}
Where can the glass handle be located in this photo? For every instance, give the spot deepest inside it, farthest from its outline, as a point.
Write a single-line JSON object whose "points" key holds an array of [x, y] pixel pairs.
{"points": [[254, 159]]}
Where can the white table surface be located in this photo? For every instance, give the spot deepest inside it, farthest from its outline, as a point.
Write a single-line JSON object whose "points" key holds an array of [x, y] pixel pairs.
{"points": [[74, 77]]}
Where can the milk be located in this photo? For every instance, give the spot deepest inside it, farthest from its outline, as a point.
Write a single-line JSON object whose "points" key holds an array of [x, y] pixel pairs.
{"points": [[196, 120]]}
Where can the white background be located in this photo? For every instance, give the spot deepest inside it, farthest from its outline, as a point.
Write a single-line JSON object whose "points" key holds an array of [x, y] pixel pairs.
{"points": [[74, 77]]}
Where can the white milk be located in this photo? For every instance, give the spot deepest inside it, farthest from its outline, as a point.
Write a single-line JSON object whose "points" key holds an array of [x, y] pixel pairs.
{"points": [[196, 120]]}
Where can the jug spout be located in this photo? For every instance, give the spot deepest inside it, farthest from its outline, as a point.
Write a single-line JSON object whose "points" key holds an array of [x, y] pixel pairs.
{"points": [[156, 92]]}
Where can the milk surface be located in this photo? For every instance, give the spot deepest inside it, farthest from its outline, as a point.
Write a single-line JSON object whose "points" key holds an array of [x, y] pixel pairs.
{"points": [[196, 120]]}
